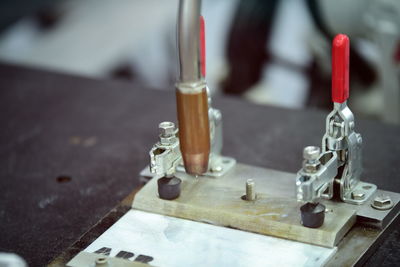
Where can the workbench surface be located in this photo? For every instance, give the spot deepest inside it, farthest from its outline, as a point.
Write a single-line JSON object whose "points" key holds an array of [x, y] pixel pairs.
{"points": [[71, 149]]}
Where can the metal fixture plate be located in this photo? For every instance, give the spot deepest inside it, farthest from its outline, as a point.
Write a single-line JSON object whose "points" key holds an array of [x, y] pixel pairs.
{"points": [[280, 184], [84, 259], [354, 248], [163, 238], [275, 210]]}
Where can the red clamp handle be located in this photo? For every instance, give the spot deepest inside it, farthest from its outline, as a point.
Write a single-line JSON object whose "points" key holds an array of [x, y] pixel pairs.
{"points": [[202, 47], [340, 68]]}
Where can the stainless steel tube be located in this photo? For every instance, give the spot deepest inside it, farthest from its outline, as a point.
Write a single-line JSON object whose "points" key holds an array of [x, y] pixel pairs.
{"points": [[188, 40]]}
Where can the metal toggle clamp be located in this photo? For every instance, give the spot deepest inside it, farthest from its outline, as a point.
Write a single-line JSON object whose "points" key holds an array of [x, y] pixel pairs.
{"points": [[335, 173]]}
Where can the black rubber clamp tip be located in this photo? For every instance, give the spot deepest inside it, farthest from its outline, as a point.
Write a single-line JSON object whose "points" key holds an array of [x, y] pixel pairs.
{"points": [[312, 214], [169, 188]]}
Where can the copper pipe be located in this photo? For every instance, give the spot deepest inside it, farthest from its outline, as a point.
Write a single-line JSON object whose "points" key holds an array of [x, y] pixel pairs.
{"points": [[191, 94]]}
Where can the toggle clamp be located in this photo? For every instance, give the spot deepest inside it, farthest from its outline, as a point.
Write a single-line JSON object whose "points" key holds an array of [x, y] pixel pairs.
{"points": [[335, 172]]}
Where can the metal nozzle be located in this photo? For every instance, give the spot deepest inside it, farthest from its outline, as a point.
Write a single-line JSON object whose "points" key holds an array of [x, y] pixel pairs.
{"points": [[191, 94]]}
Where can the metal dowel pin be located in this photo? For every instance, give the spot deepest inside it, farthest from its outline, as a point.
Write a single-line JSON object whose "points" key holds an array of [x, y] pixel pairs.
{"points": [[250, 190]]}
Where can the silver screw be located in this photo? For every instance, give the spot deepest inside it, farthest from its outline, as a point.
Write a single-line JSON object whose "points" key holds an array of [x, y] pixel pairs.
{"points": [[311, 153], [382, 202], [216, 168], [167, 128], [101, 261], [357, 195], [250, 192]]}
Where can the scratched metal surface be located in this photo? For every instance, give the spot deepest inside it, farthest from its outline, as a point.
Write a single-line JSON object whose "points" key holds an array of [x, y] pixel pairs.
{"points": [[98, 134], [161, 237]]}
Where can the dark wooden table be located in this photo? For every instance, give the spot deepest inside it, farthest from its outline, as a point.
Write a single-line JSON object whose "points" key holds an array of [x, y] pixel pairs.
{"points": [[71, 149]]}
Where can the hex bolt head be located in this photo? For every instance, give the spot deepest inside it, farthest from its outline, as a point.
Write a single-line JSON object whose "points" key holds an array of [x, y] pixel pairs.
{"points": [[311, 153], [357, 195], [382, 202], [216, 168], [166, 128]]}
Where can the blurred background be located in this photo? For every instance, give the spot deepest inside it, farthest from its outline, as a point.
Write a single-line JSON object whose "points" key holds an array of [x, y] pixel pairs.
{"points": [[273, 52]]}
